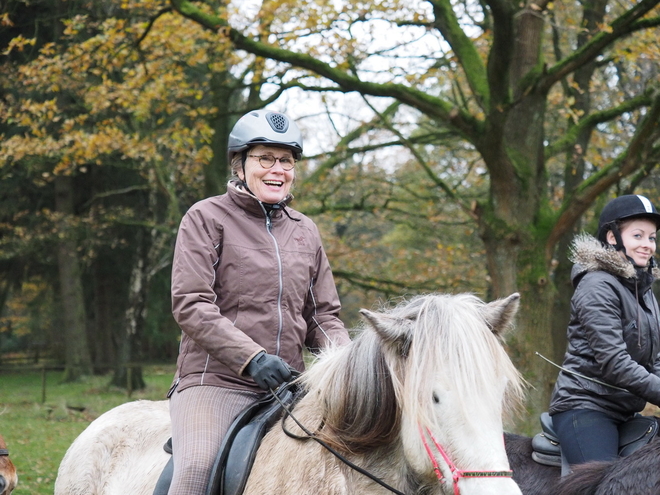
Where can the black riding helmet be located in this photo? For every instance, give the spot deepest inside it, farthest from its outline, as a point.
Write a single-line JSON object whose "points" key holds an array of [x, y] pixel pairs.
{"points": [[625, 207]]}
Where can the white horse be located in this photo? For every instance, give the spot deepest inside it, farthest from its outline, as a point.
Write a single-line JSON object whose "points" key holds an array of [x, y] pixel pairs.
{"points": [[417, 400]]}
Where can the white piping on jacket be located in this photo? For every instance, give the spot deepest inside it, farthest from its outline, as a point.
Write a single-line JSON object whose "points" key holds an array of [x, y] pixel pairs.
{"points": [[311, 293], [215, 298]]}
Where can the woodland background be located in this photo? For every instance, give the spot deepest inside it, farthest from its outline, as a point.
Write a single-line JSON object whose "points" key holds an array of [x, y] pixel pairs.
{"points": [[450, 146]]}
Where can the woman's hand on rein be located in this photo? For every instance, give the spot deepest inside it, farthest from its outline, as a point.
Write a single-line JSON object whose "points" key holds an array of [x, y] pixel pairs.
{"points": [[268, 371]]}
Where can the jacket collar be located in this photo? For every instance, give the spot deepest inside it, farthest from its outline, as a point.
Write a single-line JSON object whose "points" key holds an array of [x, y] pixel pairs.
{"points": [[249, 202], [589, 255]]}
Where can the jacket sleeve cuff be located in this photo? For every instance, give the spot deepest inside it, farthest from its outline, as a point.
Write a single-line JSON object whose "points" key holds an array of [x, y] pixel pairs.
{"points": [[241, 371]]}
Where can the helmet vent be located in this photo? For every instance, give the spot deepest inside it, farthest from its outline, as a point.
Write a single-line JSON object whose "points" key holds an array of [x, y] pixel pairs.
{"points": [[279, 122]]}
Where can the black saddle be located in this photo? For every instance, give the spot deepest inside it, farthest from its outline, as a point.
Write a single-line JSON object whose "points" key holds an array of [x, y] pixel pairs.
{"points": [[239, 447], [633, 434]]}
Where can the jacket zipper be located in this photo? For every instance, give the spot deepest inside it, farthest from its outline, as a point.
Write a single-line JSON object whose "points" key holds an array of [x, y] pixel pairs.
{"points": [[280, 290]]}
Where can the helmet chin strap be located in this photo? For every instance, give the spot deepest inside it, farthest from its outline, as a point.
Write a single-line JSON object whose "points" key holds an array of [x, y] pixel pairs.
{"points": [[617, 237], [244, 179], [619, 246], [269, 206]]}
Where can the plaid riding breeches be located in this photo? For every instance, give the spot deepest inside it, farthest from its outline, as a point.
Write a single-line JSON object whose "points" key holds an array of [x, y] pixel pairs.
{"points": [[201, 416]]}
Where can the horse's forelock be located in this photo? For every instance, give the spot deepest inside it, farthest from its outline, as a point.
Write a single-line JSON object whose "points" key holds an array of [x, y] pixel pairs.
{"points": [[450, 333]]}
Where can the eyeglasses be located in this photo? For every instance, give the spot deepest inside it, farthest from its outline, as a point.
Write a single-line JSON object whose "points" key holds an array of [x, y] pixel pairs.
{"points": [[267, 161]]}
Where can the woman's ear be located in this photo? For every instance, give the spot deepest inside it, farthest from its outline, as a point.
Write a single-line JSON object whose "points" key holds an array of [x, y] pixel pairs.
{"points": [[610, 238]]}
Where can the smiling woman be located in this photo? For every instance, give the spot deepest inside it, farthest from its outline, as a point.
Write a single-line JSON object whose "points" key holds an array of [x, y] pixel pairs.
{"points": [[268, 173], [251, 288], [610, 367]]}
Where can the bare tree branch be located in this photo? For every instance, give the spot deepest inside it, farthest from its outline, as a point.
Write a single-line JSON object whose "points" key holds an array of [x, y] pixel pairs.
{"points": [[627, 23], [592, 120], [625, 164], [475, 71], [428, 104]]}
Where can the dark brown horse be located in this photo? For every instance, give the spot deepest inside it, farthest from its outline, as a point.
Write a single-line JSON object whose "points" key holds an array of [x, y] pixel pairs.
{"points": [[532, 478], [636, 474], [8, 477]]}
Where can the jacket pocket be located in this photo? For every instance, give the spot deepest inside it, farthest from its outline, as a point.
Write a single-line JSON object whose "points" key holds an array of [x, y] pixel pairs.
{"points": [[636, 339]]}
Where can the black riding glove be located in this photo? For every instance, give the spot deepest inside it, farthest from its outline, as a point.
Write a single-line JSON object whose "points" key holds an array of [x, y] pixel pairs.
{"points": [[268, 371]]}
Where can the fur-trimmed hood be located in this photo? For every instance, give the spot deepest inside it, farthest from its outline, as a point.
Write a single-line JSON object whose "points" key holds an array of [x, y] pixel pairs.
{"points": [[589, 255]]}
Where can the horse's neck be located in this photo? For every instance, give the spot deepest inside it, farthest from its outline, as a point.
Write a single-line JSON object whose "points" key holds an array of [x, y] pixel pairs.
{"points": [[308, 413], [385, 462]]}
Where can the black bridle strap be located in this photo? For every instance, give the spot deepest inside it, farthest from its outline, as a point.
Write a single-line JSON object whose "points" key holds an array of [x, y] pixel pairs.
{"points": [[330, 449], [4, 452]]}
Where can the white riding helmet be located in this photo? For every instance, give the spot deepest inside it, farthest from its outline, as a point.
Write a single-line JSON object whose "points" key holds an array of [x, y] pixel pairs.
{"points": [[267, 128]]}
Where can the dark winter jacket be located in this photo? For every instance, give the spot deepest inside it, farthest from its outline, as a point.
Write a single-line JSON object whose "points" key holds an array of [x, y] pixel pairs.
{"points": [[613, 336], [244, 281]]}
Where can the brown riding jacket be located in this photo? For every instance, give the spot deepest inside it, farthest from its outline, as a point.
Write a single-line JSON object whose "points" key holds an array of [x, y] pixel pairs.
{"points": [[244, 281]]}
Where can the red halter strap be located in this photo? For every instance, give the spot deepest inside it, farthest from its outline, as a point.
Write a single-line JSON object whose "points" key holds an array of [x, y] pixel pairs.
{"points": [[456, 473]]}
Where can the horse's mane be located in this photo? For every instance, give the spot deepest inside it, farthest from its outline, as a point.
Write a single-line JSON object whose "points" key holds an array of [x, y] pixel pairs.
{"points": [[635, 473], [362, 385], [355, 390], [584, 479]]}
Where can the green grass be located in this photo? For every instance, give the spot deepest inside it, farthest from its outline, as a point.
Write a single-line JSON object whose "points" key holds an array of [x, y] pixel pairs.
{"points": [[38, 435]]}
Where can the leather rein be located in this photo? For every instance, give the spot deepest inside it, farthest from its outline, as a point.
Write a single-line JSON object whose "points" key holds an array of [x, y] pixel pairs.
{"points": [[457, 474]]}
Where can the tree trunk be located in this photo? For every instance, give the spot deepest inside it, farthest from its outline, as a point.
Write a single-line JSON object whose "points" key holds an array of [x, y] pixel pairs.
{"points": [[562, 304], [218, 170], [150, 246], [128, 372], [512, 225], [534, 337], [77, 356], [105, 318], [516, 265]]}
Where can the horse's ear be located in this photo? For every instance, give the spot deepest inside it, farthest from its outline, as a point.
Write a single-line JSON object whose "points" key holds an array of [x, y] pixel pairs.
{"points": [[499, 314], [391, 329]]}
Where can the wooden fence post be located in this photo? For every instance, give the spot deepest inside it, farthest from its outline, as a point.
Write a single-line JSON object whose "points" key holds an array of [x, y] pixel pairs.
{"points": [[129, 379], [43, 384]]}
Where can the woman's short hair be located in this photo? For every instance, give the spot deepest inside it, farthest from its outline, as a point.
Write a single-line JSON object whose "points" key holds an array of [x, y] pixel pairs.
{"points": [[236, 164]]}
